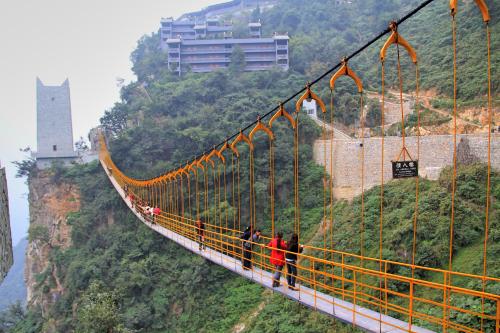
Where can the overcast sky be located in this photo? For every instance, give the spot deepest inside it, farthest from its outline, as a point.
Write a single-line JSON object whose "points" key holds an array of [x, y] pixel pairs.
{"points": [[88, 42]]}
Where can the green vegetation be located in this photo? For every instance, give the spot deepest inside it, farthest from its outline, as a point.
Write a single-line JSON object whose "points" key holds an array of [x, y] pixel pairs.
{"points": [[38, 233], [120, 276]]}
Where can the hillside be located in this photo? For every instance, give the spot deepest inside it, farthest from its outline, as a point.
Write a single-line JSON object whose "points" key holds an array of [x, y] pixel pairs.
{"points": [[119, 276]]}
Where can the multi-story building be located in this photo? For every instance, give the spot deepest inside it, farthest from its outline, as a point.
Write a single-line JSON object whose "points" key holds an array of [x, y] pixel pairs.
{"points": [[206, 46]]}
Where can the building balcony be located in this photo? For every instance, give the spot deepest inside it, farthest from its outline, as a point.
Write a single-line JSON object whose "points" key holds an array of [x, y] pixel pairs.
{"points": [[281, 56], [220, 29], [217, 60], [182, 29], [259, 49], [260, 58], [207, 51], [207, 68], [282, 47]]}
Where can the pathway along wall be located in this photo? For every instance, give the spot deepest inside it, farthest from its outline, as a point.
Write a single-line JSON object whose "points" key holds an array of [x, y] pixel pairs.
{"points": [[6, 259], [436, 152]]}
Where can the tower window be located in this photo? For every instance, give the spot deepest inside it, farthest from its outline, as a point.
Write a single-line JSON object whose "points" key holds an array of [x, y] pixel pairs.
{"points": [[54, 147], [53, 98]]}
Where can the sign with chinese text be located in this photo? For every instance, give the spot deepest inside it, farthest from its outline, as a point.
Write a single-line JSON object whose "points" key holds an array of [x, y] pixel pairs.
{"points": [[404, 169]]}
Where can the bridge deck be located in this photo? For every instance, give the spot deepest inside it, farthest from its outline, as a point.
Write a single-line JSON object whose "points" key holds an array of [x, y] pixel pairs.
{"points": [[363, 318]]}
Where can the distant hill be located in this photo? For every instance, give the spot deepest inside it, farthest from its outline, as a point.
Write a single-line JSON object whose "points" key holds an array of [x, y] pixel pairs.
{"points": [[13, 289]]}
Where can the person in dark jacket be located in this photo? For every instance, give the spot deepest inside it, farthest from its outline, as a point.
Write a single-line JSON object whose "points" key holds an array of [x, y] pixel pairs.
{"points": [[246, 248], [277, 259], [291, 260], [200, 229]]}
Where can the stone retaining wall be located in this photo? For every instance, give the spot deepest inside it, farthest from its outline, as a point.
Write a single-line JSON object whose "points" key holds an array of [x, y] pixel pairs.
{"points": [[436, 152]]}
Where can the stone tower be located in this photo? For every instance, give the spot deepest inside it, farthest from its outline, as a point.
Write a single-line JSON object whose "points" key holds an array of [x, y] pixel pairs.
{"points": [[54, 126]]}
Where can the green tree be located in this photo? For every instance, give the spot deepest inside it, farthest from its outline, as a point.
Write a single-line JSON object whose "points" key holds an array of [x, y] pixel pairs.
{"points": [[255, 16], [238, 63], [37, 232], [11, 317], [98, 311]]}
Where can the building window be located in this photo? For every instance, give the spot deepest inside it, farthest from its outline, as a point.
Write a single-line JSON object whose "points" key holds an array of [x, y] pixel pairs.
{"points": [[52, 99], [54, 147]]}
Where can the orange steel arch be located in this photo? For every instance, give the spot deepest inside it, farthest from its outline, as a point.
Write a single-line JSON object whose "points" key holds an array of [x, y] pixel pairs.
{"points": [[193, 166], [395, 38], [215, 152], [186, 169], [345, 70], [224, 147], [481, 4], [182, 171], [241, 137], [309, 95], [208, 160], [261, 127], [199, 163], [282, 113]]}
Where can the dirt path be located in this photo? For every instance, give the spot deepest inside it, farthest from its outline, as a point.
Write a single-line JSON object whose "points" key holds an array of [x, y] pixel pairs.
{"points": [[238, 328], [426, 101]]}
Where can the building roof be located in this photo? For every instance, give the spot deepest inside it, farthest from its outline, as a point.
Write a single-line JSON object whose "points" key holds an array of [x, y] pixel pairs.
{"points": [[281, 37]]}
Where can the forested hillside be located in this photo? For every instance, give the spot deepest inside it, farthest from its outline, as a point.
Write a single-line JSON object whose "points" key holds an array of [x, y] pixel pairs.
{"points": [[119, 276]]}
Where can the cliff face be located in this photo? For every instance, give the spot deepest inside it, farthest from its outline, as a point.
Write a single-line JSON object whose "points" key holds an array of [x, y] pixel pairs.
{"points": [[50, 202]]}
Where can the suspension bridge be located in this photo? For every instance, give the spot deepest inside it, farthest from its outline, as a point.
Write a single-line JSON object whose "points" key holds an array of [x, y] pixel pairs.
{"points": [[370, 292]]}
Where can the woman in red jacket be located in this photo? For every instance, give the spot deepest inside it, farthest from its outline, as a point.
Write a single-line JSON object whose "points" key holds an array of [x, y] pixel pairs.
{"points": [[277, 257]]}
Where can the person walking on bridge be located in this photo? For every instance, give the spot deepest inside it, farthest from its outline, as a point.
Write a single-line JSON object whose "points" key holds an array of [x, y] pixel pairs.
{"points": [[248, 244], [200, 229], [277, 259], [291, 260], [246, 248], [155, 212], [145, 211]]}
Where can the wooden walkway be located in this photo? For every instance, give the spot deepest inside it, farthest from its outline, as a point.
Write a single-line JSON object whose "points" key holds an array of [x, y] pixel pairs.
{"points": [[363, 318]]}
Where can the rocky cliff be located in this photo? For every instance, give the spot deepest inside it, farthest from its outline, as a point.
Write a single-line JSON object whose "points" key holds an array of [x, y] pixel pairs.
{"points": [[50, 203], [5, 239]]}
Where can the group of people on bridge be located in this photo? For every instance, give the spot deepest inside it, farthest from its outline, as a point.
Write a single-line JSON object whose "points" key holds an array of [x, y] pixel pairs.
{"points": [[282, 252], [149, 212]]}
